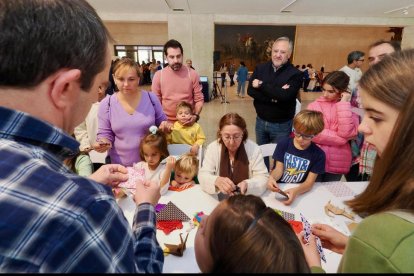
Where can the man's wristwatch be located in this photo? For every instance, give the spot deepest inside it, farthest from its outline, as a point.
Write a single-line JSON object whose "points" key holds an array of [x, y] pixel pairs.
{"points": [[197, 117]]}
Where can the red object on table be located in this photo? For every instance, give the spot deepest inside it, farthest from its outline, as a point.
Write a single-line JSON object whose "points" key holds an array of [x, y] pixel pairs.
{"points": [[296, 225], [169, 225]]}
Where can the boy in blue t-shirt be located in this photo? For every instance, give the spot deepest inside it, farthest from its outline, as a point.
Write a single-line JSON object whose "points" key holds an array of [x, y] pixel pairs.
{"points": [[298, 159]]}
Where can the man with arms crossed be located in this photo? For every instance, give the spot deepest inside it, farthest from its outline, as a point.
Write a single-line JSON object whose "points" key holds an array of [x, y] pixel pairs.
{"points": [[274, 86], [54, 55]]}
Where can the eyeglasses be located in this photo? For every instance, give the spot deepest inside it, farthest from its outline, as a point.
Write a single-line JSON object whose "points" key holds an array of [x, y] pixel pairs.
{"points": [[304, 136], [331, 91], [235, 138]]}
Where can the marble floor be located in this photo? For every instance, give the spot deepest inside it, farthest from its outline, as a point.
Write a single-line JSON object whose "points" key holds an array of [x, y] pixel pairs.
{"points": [[215, 109]]}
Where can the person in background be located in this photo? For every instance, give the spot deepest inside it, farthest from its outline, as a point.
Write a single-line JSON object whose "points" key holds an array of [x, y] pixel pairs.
{"points": [[232, 70], [159, 66], [364, 164], [233, 162], [242, 73], [125, 117], [53, 221], [274, 86], [352, 69], [176, 83], [299, 160], [242, 235], [153, 67], [223, 73], [189, 63], [341, 125], [383, 241], [182, 134], [85, 133]]}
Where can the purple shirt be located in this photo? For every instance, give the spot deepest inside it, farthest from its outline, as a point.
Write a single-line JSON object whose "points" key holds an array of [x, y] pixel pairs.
{"points": [[125, 131]]}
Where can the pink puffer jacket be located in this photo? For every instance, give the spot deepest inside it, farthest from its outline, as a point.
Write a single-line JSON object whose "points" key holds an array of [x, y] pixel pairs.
{"points": [[341, 125]]}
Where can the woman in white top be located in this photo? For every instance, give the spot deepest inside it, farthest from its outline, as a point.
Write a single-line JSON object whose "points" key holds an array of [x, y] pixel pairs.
{"points": [[232, 163]]}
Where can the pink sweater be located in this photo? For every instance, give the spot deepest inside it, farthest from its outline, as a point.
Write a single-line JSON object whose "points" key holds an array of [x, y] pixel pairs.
{"points": [[172, 87], [341, 125]]}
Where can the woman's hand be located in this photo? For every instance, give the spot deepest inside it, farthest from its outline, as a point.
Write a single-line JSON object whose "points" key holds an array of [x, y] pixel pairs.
{"points": [[243, 187], [331, 238], [166, 127], [310, 249], [225, 185], [102, 145]]}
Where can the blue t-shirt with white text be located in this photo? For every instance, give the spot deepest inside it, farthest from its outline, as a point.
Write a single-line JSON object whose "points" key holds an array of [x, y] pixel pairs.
{"points": [[298, 163]]}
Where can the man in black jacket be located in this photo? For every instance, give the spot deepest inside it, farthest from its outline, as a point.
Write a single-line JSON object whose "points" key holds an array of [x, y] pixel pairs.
{"points": [[274, 86]]}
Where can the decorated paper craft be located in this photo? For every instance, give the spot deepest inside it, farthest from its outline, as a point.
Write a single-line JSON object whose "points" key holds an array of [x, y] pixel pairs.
{"points": [[172, 212], [134, 174], [286, 215], [180, 188], [167, 226], [197, 218], [159, 207], [338, 189], [307, 230], [337, 211], [176, 249]]}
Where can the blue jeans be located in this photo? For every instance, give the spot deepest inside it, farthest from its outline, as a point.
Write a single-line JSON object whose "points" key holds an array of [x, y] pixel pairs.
{"points": [[240, 87], [267, 132]]}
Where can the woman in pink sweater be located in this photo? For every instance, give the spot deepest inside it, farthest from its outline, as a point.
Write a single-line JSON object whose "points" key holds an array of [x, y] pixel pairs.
{"points": [[341, 125]]}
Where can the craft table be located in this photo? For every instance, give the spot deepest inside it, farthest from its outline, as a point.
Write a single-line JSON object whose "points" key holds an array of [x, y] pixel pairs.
{"points": [[311, 205]]}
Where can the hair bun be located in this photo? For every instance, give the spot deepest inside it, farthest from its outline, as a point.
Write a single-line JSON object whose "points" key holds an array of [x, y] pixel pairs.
{"points": [[153, 129]]}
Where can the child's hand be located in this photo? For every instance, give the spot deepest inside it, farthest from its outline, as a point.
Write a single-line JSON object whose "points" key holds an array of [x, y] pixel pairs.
{"points": [[272, 184], [292, 193], [186, 185], [174, 183], [310, 250], [194, 149]]}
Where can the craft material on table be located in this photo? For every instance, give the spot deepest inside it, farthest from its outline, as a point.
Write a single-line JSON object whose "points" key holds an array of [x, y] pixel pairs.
{"points": [[338, 189]]}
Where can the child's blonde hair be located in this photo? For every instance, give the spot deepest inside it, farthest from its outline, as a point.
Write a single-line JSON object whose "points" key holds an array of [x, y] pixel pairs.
{"points": [[184, 104], [155, 138], [309, 122], [187, 164]]}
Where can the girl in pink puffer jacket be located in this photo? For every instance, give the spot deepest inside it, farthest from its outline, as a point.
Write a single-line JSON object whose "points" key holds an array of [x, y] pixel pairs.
{"points": [[341, 125]]}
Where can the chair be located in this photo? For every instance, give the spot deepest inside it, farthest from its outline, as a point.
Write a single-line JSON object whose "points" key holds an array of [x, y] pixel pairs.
{"points": [[267, 151], [98, 157], [180, 149], [298, 106]]}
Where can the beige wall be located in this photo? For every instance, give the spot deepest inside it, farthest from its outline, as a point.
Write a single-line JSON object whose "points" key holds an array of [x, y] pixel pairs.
{"points": [[130, 33], [329, 46]]}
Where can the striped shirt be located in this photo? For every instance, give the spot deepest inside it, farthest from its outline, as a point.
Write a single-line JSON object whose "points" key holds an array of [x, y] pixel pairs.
{"points": [[52, 220]]}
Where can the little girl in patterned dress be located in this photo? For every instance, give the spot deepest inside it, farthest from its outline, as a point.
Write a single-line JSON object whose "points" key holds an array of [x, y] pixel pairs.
{"points": [[152, 149]]}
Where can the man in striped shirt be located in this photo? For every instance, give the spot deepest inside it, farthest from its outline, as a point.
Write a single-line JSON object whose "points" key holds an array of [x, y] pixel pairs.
{"points": [[54, 55]]}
